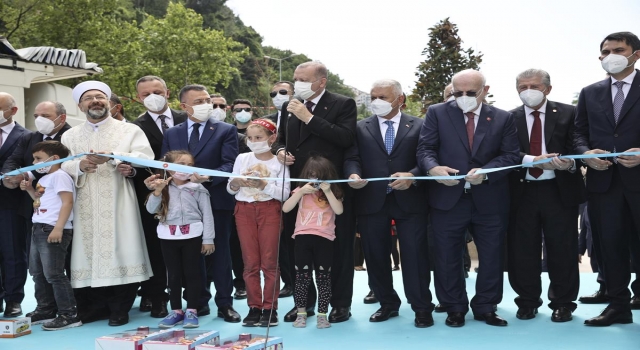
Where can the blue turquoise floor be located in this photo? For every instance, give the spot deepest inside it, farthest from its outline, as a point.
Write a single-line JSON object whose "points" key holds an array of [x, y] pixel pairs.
{"points": [[399, 332]]}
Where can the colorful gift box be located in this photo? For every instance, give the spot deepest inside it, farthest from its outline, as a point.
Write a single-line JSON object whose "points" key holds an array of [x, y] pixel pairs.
{"points": [[246, 341], [15, 327], [182, 340], [129, 340]]}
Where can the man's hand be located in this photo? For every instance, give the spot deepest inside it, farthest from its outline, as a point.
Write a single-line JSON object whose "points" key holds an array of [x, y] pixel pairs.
{"points": [[299, 110], [125, 169], [630, 161], [359, 183], [289, 158], [597, 163], [195, 178], [401, 185], [98, 159], [474, 179], [14, 181], [444, 171], [561, 164], [88, 166], [545, 166], [55, 236]]}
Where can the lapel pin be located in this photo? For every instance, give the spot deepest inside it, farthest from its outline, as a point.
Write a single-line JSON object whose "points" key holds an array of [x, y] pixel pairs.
{"points": [[554, 110], [488, 119], [325, 108], [407, 125], [211, 128]]}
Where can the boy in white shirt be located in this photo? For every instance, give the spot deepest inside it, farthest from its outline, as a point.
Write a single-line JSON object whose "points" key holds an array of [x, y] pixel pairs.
{"points": [[52, 233]]}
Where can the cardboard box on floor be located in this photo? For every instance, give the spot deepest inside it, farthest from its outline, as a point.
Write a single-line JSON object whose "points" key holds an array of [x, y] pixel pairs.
{"points": [[245, 341], [129, 340], [15, 327], [180, 339]]}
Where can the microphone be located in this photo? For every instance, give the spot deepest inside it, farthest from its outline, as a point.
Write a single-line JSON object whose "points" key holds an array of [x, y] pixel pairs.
{"points": [[297, 98]]}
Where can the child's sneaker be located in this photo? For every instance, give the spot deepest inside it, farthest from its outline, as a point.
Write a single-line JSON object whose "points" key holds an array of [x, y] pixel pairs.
{"points": [[62, 322], [253, 318], [172, 319], [269, 318], [190, 320], [322, 321], [38, 317], [301, 320]]}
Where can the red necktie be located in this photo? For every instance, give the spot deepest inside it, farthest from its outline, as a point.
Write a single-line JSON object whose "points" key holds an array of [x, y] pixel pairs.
{"points": [[535, 142], [471, 128]]}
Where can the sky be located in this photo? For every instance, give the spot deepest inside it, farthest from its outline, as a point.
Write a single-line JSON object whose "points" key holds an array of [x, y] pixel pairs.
{"points": [[366, 40]]}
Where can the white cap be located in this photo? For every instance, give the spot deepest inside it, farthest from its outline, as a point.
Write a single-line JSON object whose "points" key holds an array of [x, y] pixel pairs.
{"points": [[85, 86]]}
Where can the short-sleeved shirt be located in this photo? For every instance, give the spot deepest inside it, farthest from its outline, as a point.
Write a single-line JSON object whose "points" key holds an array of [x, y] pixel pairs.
{"points": [[315, 217], [50, 186]]}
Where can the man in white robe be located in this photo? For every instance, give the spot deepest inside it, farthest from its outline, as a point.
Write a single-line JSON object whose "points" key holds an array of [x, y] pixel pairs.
{"points": [[109, 256]]}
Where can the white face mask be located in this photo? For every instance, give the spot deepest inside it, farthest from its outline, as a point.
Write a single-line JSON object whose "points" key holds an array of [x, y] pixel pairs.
{"points": [[467, 103], [181, 176], [303, 89], [279, 100], [218, 114], [155, 103], [259, 147], [243, 117], [44, 125], [615, 64], [202, 112], [43, 170], [532, 98], [381, 107], [2, 118]]}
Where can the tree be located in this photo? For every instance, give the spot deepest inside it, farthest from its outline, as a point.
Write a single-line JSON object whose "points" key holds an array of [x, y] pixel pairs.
{"points": [[444, 57], [363, 112]]}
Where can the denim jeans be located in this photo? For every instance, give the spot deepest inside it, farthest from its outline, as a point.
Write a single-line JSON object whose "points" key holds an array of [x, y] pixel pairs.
{"points": [[52, 288]]}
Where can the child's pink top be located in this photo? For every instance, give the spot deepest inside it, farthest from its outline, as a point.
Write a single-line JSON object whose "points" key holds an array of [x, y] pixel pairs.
{"points": [[315, 217]]}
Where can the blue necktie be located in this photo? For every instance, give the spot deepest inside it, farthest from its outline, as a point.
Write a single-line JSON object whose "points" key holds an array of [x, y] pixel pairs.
{"points": [[618, 101], [195, 137], [388, 143]]}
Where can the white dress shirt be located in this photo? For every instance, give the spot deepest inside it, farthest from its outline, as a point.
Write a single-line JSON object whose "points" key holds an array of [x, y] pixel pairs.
{"points": [[168, 119], [5, 131], [625, 88], [546, 174], [384, 126]]}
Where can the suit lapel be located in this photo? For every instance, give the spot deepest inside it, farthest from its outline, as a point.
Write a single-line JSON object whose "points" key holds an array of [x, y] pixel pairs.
{"points": [[373, 127], [150, 125], [523, 130], [550, 120], [209, 129], [632, 96], [484, 119], [320, 111], [11, 138], [605, 100], [457, 119], [404, 127], [183, 136]]}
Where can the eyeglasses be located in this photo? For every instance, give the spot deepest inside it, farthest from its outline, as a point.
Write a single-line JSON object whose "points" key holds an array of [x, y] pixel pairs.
{"points": [[468, 93], [221, 105], [281, 92], [91, 98], [238, 110]]}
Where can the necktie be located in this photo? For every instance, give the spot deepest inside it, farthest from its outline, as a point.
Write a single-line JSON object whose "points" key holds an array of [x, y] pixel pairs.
{"points": [[163, 123], [195, 137], [1, 137], [471, 128], [388, 142], [535, 142], [48, 138], [618, 101], [309, 106]]}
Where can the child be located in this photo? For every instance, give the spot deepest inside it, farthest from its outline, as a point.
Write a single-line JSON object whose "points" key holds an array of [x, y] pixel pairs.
{"points": [[52, 234], [185, 230], [314, 233], [257, 216]]}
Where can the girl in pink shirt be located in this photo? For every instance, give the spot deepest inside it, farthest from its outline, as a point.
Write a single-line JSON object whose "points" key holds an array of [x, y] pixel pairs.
{"points": [[318, 204]]}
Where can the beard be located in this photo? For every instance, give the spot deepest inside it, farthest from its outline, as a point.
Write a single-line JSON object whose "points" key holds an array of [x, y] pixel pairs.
{"points": [[97, 113]]}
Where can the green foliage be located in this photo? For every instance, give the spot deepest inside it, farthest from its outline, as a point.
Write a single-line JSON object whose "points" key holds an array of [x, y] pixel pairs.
{"points": [[444, 57], [414, 108], [363, 112]]}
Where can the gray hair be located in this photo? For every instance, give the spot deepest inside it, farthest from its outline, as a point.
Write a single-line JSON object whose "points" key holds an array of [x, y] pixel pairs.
{"points": [[383, 83], [468, 71], [147, 78], [60, 110], [321, 69], [532, 73]]}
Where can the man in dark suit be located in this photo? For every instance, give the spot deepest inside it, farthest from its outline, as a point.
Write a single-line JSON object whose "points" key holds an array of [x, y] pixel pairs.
{"points": [[608, 120], [152, 91], [544, 198], [324, 124], [385, 146], [13, 246], [281, 92], [480, 203], [214, 145]]}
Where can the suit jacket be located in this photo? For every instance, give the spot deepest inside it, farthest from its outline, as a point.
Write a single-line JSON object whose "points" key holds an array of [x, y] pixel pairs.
{"points": [[558, 137], [368, 158], [153, 133], [330, 132], [273, 117], [217, 150], [443, 141], [597, 129], [11, 198], [22, 156]]}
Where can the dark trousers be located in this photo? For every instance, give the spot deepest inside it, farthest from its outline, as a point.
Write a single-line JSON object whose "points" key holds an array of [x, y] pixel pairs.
{"points": [[289, 255], [395, 254], [376, 241], [313, 252], [155, 288], [13, 255], [488, 231], [237, 264], [540, 209], [285, 265], [358, 254], [182, 257], [116, 299], [53, 290], [615, 217], [342, 269], [217, 266]]}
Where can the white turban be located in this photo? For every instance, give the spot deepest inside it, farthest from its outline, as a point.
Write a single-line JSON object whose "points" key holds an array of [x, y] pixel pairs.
{"points": [[85, 86]]}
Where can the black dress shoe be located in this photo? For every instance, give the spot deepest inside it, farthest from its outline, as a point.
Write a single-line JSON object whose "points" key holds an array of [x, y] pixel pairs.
{"points": [[635, 303], [491, 319], [440, 308], [423, 319], [383, 314], [561, 314], [204, 311], [526, 313], [610, 316], [395, 268], [13, 309], [339, 314], [118, 319], [145, 304], [1, 305], [159, 309], [285, 292], [293, 314], [599, 297], [370, 298], [241, 293], [93, 315], [455, 319], [228, 314]]}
